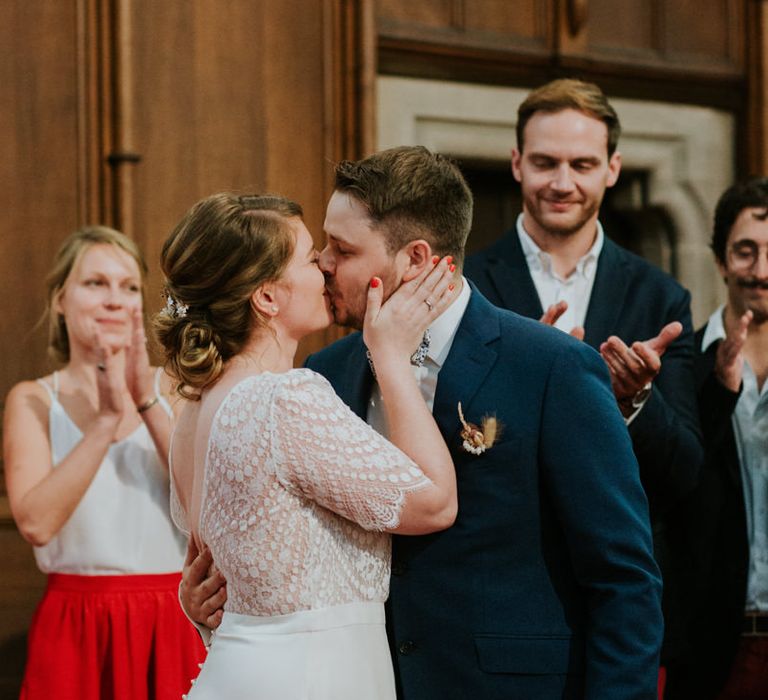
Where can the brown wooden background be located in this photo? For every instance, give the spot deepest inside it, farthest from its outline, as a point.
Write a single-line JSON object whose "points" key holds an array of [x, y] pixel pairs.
{"points": [[127, 111]]}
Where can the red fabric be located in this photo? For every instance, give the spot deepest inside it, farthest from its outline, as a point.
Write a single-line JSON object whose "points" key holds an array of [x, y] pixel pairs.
{"points": [[662, 682], [111, 638], [749, 672]]}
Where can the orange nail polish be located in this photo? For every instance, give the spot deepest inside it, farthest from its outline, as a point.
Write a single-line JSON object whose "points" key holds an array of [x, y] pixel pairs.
{"points": [[435, 259], [449, 259], [375, 282], [451, 287], [452, 268]]}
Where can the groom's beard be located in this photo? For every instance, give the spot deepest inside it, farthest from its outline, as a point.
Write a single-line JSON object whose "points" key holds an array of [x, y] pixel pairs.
{"points": [[349, 308]]}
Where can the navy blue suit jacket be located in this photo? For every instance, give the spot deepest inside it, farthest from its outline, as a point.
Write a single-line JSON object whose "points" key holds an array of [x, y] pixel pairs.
{"points": [[633, 300], [545, 587]]}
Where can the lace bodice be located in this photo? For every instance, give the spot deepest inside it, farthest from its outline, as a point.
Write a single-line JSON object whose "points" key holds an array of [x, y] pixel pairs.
{"points": [[296, 493]]}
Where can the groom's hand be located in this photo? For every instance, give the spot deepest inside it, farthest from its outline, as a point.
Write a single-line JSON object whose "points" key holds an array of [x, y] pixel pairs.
{"points": [[203, 589]]}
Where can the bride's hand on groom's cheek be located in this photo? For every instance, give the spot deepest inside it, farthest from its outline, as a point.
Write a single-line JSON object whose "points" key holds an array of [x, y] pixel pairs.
{"points": [[203, 590]]}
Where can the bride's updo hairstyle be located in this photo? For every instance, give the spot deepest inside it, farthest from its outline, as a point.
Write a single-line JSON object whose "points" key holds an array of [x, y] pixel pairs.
{"points": [[220, 252]]}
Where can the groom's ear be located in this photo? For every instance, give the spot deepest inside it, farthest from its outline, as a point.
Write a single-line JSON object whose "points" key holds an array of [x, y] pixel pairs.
{"points": [[415, 256]]}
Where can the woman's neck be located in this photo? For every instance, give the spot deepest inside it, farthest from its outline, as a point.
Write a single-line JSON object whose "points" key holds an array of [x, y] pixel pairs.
{"points": [[265, 352]]}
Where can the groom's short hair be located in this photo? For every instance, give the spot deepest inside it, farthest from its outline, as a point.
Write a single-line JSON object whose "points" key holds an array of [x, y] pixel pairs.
{"points": [[412, 193]]}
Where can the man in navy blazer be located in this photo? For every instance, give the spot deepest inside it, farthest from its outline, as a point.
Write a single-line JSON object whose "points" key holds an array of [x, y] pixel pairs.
{"points": [[557, 257], [545, 587]]}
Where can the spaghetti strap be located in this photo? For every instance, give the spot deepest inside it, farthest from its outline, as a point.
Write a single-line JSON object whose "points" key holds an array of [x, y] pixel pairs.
{"points": [[158, 392], [53, 391]]}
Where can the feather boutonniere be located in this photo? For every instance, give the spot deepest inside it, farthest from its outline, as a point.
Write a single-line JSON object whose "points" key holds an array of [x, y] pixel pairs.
{"points": [[477, 440]]}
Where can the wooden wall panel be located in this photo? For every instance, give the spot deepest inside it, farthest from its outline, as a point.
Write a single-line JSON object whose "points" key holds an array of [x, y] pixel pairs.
{"points": [[39, 170], [627, 27], [216, 108], [755, 146], [683, 35], [196, 116], [701, 31], [523, 19], [671, 50], [524, 25], [43, 180], [427, 13]]}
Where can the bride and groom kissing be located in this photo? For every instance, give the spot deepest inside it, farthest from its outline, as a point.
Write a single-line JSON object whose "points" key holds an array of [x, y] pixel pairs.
{"points": [[544, 586]]}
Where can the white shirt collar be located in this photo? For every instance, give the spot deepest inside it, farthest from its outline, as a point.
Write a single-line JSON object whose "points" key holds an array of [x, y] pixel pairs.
{"points": [[538, 259], [715, 328], [444, 327]]}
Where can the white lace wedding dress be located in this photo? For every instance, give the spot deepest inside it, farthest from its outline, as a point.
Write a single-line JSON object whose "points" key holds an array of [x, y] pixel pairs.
{"points": [[296, 492]]}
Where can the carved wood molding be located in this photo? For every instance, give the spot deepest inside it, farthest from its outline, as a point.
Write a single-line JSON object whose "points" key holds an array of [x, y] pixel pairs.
{"points": [[422, 59], [754, 145]]}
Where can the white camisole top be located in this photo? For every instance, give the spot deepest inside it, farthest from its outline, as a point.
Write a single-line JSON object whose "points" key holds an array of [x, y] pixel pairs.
{"points": [[122, 525]]}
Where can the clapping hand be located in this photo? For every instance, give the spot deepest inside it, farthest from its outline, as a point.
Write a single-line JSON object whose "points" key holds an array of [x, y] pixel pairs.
{"points": [[729, 362], [138, 373], [109, 383], [554, 312], [631, 368]]}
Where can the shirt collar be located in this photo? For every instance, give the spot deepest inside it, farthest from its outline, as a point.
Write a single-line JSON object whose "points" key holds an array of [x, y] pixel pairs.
{"points": [[444, 327], [537, 259], [715, 329]]}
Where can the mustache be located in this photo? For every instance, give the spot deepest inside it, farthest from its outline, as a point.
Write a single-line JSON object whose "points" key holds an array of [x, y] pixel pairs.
{"points": [[753, 283]]}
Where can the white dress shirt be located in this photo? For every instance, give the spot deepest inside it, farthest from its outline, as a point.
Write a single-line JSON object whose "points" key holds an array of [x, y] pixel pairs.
{"points": [[576, 289], [750, 429], [443, 330]]}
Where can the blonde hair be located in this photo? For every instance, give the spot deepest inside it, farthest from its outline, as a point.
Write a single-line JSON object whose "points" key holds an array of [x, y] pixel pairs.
{"points": [[568, 93], [66, 259], [220, 252]]}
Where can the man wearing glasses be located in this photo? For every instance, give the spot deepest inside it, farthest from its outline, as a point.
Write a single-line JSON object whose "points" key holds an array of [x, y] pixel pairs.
{"points": [[728, 514]]}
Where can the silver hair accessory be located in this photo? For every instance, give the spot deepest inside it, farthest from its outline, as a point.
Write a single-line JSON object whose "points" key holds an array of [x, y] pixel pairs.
{"points": [[417, 359], [174, 308]]}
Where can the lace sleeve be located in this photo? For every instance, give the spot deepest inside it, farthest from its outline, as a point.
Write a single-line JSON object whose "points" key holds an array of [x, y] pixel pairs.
{"points": [[327, 454]]}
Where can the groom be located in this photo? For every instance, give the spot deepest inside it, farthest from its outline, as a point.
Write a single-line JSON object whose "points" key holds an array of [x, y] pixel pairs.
{"points": [[545, 587]]}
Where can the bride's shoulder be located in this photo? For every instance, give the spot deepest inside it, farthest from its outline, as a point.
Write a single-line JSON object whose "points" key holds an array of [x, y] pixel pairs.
{"points": [[303, 385]]}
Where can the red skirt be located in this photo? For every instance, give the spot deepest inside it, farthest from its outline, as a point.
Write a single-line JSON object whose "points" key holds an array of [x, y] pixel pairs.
{"points": [[111, 638]]}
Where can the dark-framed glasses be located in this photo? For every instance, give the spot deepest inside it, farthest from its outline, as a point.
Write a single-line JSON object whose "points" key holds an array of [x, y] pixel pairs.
{"points": [[743, 255]]}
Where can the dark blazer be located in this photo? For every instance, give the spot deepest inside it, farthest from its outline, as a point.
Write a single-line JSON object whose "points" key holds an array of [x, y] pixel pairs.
{"points": [[633, 300], [545, 587], [714, 545]]}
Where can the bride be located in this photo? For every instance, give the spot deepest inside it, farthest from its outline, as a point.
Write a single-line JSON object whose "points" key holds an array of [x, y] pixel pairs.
{"points": [[293, 494]]}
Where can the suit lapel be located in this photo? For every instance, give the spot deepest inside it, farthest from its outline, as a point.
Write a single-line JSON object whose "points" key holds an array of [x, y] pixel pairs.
{"points": [[510, 276], [608, 295], [357, 380], [468, 363]]}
